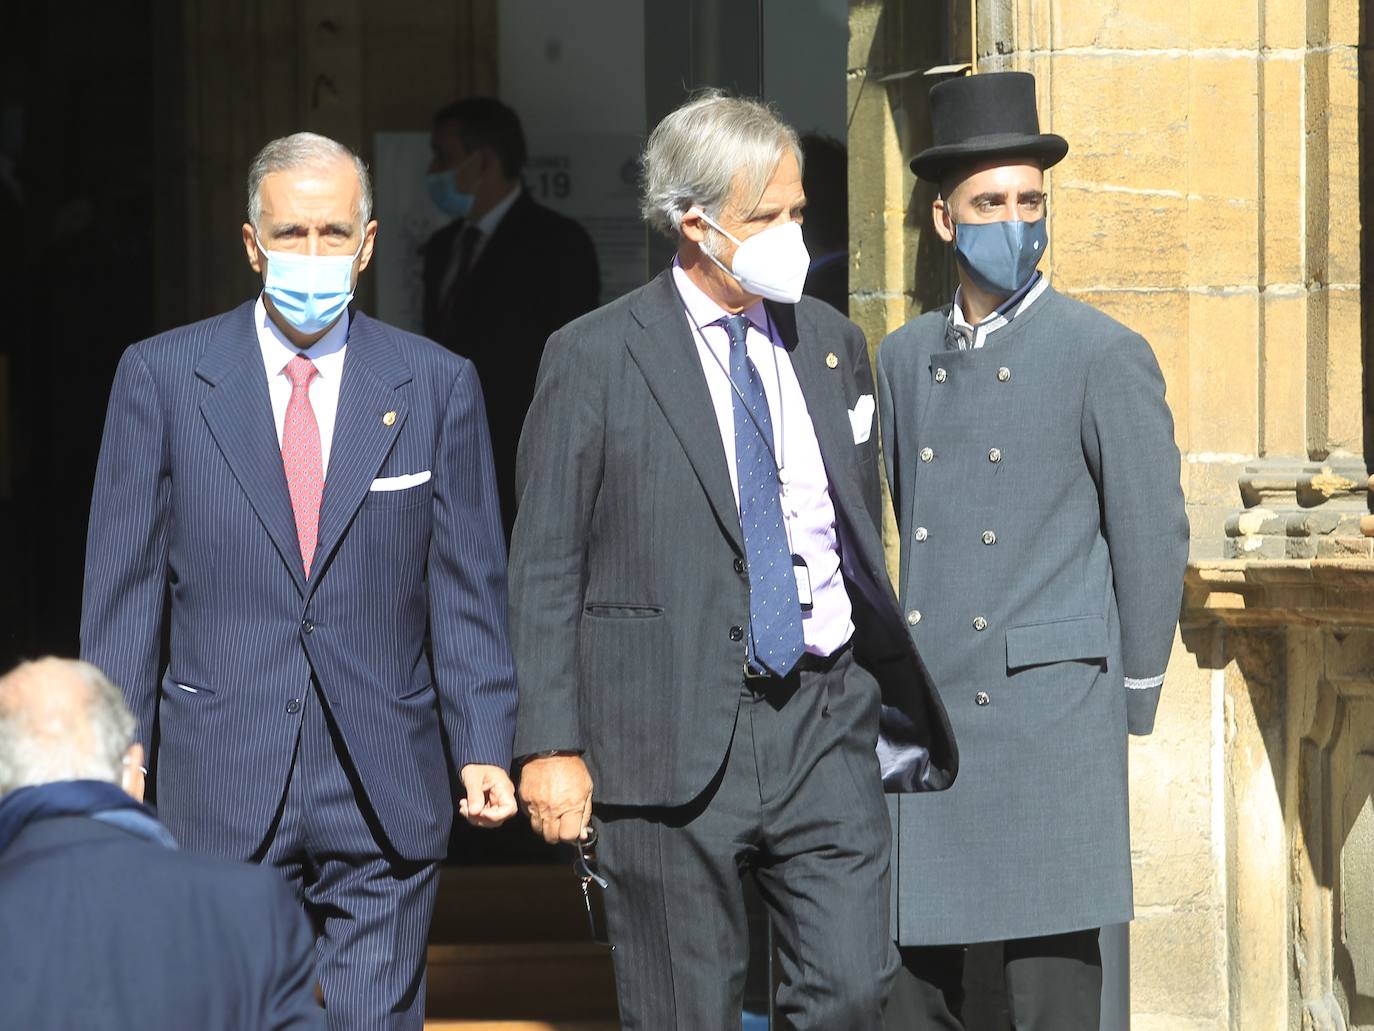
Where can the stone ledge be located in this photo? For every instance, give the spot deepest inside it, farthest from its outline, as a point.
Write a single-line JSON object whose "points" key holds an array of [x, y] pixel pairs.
{"points": [[1337, 592]]}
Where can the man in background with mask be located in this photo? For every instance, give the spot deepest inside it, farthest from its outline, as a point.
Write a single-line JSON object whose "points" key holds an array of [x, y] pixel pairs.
{"points": [[308, 494], [703, 629], [507, 271], [1035, 479]]}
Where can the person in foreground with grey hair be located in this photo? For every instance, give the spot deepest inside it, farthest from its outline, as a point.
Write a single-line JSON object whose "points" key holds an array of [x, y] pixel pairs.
{"points": [[314, 491], [703, 629], [105, 923]]}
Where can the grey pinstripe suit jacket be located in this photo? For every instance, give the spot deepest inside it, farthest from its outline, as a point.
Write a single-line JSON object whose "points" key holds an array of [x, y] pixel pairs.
{"points": [[191, 508], [627, 572]]}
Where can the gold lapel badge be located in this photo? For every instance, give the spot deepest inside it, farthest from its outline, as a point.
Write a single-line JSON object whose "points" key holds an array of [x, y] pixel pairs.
{"points": [[389, 419], [831, 362]]}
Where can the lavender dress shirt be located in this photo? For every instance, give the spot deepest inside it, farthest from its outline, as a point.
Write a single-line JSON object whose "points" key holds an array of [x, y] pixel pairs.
{"points": [[808, 513]]}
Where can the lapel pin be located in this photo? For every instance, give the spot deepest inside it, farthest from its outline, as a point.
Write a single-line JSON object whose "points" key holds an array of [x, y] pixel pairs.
{"points": [[831, 362], [389, 419]]}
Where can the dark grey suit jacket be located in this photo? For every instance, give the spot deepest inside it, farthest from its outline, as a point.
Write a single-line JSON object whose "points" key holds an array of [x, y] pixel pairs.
{"points": [[628, 589], [1036, 484]]}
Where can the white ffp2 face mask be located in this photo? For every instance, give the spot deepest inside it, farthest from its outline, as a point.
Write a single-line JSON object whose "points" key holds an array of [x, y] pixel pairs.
{"points": [[772, 264]]}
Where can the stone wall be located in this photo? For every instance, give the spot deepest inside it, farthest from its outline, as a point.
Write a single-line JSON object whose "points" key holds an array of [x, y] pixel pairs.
{"points": [[1210, 200]]}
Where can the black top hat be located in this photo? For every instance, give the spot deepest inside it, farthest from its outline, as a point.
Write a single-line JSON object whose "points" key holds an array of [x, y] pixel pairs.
{"points": [[977, 117]]}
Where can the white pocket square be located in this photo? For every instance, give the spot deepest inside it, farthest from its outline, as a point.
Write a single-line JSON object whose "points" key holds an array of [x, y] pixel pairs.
{"points": [[400, 482], [861, 418]]}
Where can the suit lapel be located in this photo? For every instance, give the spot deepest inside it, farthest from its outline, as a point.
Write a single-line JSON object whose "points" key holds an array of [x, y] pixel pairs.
{"points": [[239, 414], [826, 401], [363, 433], [667, 358]]}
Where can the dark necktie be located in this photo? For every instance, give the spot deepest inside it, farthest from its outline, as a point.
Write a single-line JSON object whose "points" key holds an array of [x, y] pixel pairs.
{"points": [[775, 626], [467, 248], [460, 261]]}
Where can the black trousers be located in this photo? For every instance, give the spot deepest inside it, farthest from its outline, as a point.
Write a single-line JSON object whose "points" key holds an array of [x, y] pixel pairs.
{"points": [[1053, 983], [798, 806]]}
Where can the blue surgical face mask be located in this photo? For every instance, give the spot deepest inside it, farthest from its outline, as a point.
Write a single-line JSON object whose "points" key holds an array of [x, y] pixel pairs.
{"points": [[1000, 256], [444, 192], [310, 290]]}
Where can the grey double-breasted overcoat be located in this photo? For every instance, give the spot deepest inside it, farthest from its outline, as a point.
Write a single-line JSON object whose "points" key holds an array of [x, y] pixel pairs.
{"points": [[1043, 539]]}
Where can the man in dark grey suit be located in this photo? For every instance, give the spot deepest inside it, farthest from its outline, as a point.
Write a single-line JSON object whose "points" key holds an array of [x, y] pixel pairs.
{"points": [[1036, 484], [702, 623]]}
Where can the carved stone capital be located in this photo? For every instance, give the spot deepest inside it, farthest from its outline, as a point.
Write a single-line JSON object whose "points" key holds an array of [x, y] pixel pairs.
{"points": [[1302, 510]]}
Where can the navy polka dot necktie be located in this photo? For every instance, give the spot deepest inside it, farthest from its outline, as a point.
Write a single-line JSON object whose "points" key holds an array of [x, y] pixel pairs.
{"points": [[775, 626]]}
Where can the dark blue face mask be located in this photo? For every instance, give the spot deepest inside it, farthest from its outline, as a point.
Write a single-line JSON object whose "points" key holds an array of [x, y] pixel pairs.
{"points": [[1000, 256]]}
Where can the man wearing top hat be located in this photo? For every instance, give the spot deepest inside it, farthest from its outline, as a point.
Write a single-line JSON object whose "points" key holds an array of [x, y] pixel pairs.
{"points": [[1035, 480]]}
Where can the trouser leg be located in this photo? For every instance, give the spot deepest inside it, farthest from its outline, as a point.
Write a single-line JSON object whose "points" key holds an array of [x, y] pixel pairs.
{"points": [[823, 867], [1054, 983], [928, 993], [675, 905]]}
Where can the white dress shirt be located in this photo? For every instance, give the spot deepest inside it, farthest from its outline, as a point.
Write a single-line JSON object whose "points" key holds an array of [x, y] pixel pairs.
{"points": [[327, 353]]}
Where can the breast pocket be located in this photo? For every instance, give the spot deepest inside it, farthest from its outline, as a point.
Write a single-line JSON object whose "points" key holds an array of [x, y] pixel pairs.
{"points": [[406, 497]]}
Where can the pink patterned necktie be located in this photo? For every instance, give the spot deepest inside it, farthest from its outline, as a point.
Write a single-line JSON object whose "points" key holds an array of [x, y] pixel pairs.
{"points": [[301, 456]]}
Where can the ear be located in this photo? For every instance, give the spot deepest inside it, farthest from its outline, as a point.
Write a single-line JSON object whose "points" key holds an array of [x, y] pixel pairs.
{"points": [[694, 227], [131, 779], [369, 241], [943, 219], [250, 245]]}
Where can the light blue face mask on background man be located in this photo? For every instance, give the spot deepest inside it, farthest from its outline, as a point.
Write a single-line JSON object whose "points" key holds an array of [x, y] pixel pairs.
{"points": [[1000, 256], [444, 192], [310, 290]]}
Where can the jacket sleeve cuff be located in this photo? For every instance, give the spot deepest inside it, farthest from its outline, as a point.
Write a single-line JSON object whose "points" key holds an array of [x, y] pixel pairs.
{"points": [[1142, 701]]}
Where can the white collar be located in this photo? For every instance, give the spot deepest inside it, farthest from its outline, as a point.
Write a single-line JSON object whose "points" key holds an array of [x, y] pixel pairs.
{"points": [[488, 222], [702, 309]]}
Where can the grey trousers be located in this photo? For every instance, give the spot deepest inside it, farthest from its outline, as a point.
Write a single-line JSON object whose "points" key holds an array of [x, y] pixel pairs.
{"points": [[797, 805]]}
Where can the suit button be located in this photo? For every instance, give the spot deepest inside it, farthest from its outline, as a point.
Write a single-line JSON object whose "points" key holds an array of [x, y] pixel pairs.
{"points": [[921, 533], [941, 375], [989, 537], [995, 455], [737, 633], [739, 565], [293, 706], [1003, 374], [980, 624], [913, 617], [307, 626], [981, 698], [927, 454]]}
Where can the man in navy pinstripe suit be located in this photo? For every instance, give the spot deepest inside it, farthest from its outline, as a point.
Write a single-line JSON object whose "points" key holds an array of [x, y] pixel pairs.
{"points": [[306, 495]]}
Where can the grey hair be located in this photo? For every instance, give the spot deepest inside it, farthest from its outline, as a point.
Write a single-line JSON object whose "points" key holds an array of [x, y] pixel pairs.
{"points": [[304, 150], [707, 148], [40, 746]]}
